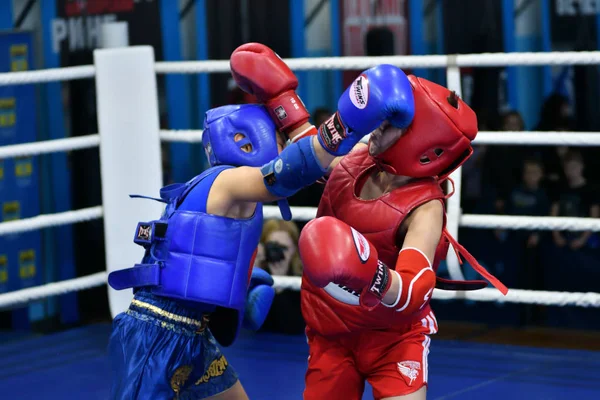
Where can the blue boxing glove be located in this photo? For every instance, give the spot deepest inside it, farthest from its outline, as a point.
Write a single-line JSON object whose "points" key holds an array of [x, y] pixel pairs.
{"points": [[378, 94], [259, 299]]}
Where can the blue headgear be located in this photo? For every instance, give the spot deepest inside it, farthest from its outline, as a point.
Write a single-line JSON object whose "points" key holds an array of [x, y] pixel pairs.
{"points": [[221, 124], [253, 121]]}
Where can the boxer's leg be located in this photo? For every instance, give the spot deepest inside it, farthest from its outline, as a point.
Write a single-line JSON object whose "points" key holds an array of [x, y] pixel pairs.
{"points": [[332, 373], [399, 369], [236, 392], [212, 377], [161, 350]]}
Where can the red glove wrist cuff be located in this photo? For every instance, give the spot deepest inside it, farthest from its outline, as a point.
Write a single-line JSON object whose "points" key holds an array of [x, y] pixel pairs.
{"points": [[288, 111], [372, 294], [417, 280]]}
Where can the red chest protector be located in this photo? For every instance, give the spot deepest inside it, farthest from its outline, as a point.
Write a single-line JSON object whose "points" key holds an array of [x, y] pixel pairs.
{"points": [[334, 310], [378, 219]]}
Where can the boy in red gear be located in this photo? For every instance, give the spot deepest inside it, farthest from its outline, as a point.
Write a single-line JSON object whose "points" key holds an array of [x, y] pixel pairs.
{"points": [[371, 255]]}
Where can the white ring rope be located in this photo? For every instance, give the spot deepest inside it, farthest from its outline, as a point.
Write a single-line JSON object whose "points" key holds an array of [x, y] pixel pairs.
{"points": [[47, 75], [195, 136], [298, 213], [293, 282], [23, 296], [50, 220], [511, 222], [435, 61], [539, 138], [185, 136], [539, 297], [477, 221], [526, 138], [516, 222], [50, 146], [190, 67], [327, 63], [527, 222]]}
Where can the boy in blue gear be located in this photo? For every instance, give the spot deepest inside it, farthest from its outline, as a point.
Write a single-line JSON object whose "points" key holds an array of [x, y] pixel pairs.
{"points": [[195, 285]]}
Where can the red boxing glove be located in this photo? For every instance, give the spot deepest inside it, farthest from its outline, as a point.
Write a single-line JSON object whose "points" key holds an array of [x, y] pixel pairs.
{"points": [[332, 251], [258, 70]]}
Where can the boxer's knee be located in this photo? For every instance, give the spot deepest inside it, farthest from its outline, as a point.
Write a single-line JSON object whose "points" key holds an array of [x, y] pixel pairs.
{"points": [[420, 394], [236, 392]]}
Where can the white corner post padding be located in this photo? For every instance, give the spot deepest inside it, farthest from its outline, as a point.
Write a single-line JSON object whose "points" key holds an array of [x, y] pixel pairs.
{"points": [[115, 34], [130, 161]]}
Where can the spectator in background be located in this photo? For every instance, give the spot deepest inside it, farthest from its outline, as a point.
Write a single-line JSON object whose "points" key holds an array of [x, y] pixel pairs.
{"points": [[553, 158], [529, 198], [572, 260], [503, 163], [576, 199], [278, 254], [512, 121], [473, 173], [555, 113], [277, 250]]}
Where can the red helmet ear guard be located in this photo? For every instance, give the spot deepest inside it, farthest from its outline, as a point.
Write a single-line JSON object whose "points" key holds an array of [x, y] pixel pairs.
{"points": [[438, 140]]}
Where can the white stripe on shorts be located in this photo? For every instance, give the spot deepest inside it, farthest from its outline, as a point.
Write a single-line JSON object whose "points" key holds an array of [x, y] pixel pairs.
{"points": [[426, 343]]}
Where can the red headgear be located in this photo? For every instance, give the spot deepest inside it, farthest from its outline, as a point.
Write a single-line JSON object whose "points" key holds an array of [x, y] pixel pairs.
{"points": [[439, 138]]}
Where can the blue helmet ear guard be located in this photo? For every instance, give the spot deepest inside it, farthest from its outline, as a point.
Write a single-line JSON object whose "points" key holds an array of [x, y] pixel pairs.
{"points": [[253, 121]]}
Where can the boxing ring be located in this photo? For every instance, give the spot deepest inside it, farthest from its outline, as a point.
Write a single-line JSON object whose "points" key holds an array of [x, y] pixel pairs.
{"points": [[73, 364]]}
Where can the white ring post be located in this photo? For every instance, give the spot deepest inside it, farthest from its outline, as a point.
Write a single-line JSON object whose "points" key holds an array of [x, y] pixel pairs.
{"points": [[453, 207], [130, 160], [115, 34]]}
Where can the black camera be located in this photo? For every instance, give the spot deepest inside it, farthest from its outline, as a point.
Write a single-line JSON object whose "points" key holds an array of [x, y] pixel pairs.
{"points": [[274, 252]]}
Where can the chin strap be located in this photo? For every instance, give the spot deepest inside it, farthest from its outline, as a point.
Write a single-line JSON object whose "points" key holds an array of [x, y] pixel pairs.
{"points": [[453, 188], [447, 284]]}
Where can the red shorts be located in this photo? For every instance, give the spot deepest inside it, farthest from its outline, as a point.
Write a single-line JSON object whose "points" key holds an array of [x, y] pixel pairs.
{"points": [[393, 362]]}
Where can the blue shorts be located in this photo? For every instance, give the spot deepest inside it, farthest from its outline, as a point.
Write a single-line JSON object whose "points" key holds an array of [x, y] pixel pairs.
{"points": [[161, 350]]}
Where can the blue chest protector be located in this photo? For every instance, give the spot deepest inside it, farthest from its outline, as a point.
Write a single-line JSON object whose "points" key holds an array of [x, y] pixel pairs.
{"points": [[199, 259]]}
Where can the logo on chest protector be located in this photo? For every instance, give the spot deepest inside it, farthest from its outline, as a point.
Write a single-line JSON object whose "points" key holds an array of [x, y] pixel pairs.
{"points": [[144, 231], [380, 280]]}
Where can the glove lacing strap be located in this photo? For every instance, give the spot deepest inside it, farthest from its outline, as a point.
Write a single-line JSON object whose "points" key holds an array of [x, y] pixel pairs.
{"points": [[460, 250]]}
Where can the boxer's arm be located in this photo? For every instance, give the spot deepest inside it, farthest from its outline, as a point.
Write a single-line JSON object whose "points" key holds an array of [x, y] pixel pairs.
{"points": [[297, 135], [425, 225], [413, 284], [248, 184], [337, 160]]}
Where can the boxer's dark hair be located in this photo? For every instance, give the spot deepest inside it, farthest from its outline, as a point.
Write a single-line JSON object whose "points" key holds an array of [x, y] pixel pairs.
{"points": [[453, 99]]}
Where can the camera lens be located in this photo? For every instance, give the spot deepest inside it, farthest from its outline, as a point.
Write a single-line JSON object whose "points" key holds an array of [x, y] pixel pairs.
{"points": [[274, 251]]}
